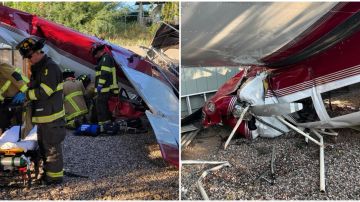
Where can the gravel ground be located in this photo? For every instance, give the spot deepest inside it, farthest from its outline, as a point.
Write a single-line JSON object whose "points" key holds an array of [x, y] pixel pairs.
{"points": [[296, 167], [127, 166]]}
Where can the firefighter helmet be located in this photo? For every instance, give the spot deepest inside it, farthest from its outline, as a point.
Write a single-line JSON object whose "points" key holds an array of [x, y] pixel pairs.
{"points": [[85, 79], [96, 47], [68, 73], [29, 45]]}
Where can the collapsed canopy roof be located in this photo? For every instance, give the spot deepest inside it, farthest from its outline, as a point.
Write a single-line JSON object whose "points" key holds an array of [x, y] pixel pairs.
{"points": [[240, 33]]}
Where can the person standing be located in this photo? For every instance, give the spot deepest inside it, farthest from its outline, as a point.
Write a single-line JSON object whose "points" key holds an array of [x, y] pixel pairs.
{"points": [[75, 105], [47, 97], [13, 86], [105, 83]]}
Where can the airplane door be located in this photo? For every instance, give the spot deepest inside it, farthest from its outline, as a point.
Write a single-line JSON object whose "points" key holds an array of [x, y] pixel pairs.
{"points": [[342, 104]]}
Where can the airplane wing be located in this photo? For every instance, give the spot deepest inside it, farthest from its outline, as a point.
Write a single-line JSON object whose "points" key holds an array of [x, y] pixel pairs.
{"points": [[71, 49], [244, 33]]}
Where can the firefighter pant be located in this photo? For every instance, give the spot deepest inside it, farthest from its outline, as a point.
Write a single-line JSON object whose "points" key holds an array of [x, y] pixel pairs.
{"points": [[102, 109], [50, 138]]}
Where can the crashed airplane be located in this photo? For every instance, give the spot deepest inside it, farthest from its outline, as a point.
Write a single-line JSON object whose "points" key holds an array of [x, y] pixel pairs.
{"points": [[71, 49], [300, 66]]}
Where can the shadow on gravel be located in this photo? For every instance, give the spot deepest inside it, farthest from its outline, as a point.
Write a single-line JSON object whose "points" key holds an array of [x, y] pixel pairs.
{"points": [[120, 167]]}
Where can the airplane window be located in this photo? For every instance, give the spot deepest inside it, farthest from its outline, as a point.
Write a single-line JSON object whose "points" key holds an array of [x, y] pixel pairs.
{"points": [[342, 101], [307, 114]]}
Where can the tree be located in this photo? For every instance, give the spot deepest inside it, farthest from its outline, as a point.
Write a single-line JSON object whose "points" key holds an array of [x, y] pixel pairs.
{"points": [[170, 12], [101, 19]]}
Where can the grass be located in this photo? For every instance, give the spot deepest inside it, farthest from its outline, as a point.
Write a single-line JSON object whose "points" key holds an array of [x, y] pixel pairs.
{"points": [[135, 35]]}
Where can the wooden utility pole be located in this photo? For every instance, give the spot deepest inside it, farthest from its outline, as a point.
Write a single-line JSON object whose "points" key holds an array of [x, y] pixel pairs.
{"points": [[141, 14]]}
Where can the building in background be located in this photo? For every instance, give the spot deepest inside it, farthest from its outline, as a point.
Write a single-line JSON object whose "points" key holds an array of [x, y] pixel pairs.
{"points": [[199, 84]]}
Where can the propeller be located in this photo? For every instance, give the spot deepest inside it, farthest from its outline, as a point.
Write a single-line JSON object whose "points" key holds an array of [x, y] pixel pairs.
{"points": [[278, 109]]}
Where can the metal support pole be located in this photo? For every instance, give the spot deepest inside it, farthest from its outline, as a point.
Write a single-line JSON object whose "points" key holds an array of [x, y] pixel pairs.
{"points": [[188, 105], [298, 130], [12, 56], [332, 132], [322, 161], [321, 144], [205, 98], [236, 126]]}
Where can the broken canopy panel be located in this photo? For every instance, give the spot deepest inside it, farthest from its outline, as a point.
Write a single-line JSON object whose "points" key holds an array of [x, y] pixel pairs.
{"points": [[164, 107]]}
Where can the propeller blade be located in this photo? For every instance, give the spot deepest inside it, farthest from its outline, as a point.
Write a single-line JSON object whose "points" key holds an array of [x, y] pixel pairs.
{"points": [[278, 109]]}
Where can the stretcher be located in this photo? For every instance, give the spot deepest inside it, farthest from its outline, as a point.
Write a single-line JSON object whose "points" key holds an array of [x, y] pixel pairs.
{"points": [[19, 158]]}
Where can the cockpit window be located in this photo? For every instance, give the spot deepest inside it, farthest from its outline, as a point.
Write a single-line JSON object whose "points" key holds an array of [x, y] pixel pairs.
{"points": [[307, 114], [342, 101]]}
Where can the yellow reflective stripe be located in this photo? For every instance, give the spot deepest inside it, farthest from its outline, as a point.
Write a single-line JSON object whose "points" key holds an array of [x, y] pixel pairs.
{"points": [[72, 102], [105, 68], [24, 78], [115, 91], [103, 122], [98, 73], [60, 86], [75, 114], [32, 95], [23, 88], [5, 86], [73, 94], [50, 91], [50, 118], [102, 81], [104, 90], [114, 84], [70, 123], [47, 89], [55, 174]]}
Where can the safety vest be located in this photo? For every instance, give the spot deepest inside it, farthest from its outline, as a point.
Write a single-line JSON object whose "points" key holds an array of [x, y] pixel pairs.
{"points": [[11, 81], [46, 91], [106, 75], [74, 102]]}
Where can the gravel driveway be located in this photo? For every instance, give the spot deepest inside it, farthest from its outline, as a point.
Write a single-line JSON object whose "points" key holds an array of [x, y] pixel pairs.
{"points": [[296, 167], [118, 167]]}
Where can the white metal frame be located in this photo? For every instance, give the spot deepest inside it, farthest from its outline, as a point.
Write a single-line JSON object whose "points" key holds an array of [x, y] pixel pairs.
{"points": [[320, 143]]}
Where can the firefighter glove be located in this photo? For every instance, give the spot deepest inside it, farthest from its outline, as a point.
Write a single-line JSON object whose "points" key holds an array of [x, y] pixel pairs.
{"points": [[19, 98]]}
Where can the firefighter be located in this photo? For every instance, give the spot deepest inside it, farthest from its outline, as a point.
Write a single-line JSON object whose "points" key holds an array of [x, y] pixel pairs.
{"points": [[13, 86], [75, 106], [105, 83], [47, 97]]}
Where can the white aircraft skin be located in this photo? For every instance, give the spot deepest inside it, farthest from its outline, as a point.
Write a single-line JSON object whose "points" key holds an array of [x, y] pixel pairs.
{"points": [[242, 32]]}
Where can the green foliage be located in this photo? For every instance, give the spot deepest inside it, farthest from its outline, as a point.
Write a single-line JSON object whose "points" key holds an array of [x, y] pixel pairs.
{"points": [[170, 12], [102, 19]]}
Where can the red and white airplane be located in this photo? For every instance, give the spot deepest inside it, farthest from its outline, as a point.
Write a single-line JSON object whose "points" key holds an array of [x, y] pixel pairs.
{"points": [[301, 66], [71, 49]]}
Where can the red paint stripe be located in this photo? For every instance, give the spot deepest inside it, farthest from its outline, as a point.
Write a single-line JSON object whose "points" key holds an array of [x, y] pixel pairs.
{"points": [[329, 21], [319, 81]]}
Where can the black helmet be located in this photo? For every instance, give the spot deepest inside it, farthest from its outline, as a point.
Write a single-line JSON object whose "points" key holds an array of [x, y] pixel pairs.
{"points": [[96, 47], [68, 73], [85, 79], [29, 45]]}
